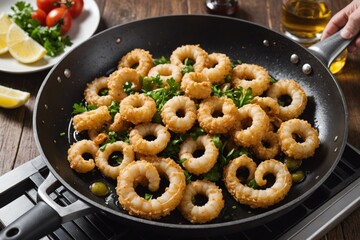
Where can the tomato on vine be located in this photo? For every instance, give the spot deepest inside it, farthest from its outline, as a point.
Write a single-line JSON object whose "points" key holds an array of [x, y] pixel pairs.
{"points": [[75, 7], [59, 16], [47, 5], [39, 15]]}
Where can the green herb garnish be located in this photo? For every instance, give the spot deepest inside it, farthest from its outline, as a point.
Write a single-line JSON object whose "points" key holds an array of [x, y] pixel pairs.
{"points": [[189, 66], [148, 196], [161, 60], [238, 95]]}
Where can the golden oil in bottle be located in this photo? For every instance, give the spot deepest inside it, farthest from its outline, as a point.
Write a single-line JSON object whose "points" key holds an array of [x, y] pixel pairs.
{"points": [[304, 19], [339, 62]]}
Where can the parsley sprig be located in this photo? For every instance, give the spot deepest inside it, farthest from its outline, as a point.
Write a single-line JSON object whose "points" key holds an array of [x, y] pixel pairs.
{"points": [[238, 95], [226, 153], [50, 38], [80, 108], [154, 88]]}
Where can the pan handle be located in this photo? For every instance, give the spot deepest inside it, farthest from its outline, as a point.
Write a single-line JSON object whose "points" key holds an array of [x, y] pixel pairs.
{"points": [[46, 216], [328, 49]]}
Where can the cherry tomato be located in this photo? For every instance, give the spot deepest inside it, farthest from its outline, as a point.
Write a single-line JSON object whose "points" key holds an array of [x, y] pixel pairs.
{"points": [[75, 7], [59, 16], [39, 15], [47, 5]]}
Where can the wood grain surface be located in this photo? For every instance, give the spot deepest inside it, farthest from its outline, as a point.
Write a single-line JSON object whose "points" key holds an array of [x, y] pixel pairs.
{"points": [[17, 144]]}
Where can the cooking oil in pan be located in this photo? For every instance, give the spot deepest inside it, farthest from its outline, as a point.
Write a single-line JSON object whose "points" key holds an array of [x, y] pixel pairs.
{"points": [[304, 20], [339, 62]]}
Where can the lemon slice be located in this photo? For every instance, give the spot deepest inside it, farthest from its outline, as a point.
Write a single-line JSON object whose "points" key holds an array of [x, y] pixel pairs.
{"points": [[22, 47], [12, 98], [5, 23]]}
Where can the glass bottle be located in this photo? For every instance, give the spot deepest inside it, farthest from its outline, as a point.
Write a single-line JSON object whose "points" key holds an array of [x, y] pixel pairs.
{"points": [[221, 7]]}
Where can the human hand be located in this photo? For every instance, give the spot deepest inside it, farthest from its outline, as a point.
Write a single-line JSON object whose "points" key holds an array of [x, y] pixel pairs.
{"points": [[349, 20]]}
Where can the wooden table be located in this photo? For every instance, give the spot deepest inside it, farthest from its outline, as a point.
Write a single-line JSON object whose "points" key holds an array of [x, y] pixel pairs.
{"points": [[17, 144]]}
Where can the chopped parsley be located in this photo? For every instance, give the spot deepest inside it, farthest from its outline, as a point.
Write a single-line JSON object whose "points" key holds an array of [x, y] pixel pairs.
{"points": [[238, 95], [80, 108], [161, 60]]}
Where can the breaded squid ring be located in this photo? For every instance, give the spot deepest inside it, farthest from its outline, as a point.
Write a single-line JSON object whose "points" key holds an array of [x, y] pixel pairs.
{"points": [[251, 76], [166, 71], [169, 114], [92, 120], [118, 78], [140, 58], [219, 67], [295, 92], [119, 124], [97, 137], [256, 198], [196, 85], [217, 124], [253, 115], [92, 90], [76, 159], [268, 104], [268, 147], [207, 212], [102, 158], [309, 137], [194, 52], [141, 145], [154, 208], [137, 108], [202, 164]]}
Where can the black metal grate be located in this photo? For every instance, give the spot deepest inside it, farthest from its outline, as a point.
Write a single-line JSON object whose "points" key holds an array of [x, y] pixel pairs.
{"points": [[20, 196]]}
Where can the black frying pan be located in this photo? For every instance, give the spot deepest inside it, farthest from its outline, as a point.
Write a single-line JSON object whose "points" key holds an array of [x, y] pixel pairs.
{"points": [[239, 39]]}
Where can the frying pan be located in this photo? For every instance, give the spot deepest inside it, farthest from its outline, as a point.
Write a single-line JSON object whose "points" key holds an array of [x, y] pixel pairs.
{"points": [[65, 83]]}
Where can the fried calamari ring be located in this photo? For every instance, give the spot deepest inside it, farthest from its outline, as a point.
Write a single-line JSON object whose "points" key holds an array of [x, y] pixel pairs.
{"points": [[179, 114], [268, 147], [151, 147], [119, 124], [193, 52], [219, 67], [92, 90], [118, 79], [217, 115], [251, 126], [97, 137], [196, 85], [102, 158], [76, 159], [256, 198], [291, 146], [268, 104], [92, 120], [166, 71], [203, 163], [207, 212], [137, 108], [139, 59], [150, 168], [293, 90], [251, 76]]}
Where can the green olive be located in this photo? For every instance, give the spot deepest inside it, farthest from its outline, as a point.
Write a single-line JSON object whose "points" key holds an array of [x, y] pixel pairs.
{"points": [[99, 189], [292, 164], [297, 176]]}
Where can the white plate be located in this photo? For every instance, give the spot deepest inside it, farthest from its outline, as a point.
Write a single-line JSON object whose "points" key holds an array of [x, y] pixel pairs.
{"points": [[82, 28]]}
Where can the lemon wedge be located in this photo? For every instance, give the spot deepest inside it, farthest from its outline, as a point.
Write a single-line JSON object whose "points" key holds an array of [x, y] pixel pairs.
{"points": [[22, 47], [12, 98], [5, 23]]}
